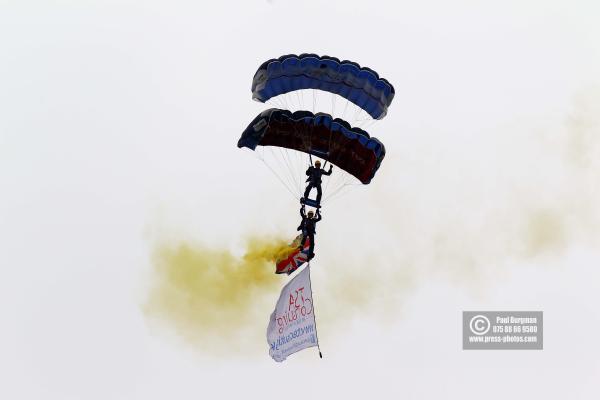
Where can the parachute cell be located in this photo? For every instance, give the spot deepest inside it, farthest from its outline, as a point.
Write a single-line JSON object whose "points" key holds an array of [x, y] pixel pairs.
{"points": [[351, 149], [360, 85]]}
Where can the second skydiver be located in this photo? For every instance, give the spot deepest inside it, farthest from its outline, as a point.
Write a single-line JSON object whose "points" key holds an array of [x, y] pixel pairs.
{"points": [[308, 228]]}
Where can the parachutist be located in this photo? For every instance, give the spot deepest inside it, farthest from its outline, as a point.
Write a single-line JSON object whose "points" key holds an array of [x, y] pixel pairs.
{"points": [[308, 228], [314, 179]]}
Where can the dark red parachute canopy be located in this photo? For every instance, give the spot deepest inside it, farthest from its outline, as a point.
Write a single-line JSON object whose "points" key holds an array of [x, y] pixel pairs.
{"points": [[351, 149]]}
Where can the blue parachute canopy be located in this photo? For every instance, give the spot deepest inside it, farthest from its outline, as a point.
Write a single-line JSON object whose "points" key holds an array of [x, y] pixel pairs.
{"points": [[351, 149], [360, 85]]}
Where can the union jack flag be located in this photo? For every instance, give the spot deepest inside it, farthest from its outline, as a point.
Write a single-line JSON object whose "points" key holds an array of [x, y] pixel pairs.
{"points": [[295, 259]]}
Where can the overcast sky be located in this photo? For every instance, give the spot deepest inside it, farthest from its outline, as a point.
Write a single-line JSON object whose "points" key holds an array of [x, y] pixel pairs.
{"points": [[118, 130]]}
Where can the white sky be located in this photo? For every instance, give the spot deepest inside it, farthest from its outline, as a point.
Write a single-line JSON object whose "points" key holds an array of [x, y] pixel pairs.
{"points": [[119, 122]]}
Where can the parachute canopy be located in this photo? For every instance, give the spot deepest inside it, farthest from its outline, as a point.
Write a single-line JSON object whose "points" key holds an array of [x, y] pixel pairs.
{"points": [[360, 85], [334, 140]]}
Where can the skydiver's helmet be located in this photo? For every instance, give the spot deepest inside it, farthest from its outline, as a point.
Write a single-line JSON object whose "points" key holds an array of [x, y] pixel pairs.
{"points": [[318, 164], [310, 214]]}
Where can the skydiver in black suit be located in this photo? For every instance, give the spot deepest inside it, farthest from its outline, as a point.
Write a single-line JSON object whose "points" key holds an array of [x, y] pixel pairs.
{"points": [[308, 228], [314, 179]]}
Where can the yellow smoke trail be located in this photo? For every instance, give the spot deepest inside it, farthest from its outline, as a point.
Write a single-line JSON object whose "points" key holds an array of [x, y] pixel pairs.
{"points": [[532, 215], [210, 295]]}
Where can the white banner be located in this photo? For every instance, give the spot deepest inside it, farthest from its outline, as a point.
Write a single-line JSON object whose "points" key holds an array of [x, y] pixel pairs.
{"points": [[292, 326]]}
